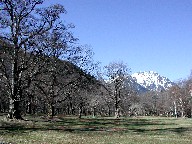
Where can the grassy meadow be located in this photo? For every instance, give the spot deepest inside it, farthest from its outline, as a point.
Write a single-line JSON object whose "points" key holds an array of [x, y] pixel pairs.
{"points": [[71, 130]]}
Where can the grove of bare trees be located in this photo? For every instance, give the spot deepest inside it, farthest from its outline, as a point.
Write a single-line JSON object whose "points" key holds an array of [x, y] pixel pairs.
{"points": [[43, 70]]}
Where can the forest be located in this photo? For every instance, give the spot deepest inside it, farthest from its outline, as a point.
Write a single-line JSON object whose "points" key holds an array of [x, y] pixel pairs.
{"points": [[45, 71]]}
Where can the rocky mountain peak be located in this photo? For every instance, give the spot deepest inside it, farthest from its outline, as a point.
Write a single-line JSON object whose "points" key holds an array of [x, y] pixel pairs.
{"points": [[152, 81]]}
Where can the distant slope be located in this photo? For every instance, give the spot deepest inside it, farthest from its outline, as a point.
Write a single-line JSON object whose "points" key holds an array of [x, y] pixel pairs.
{"points": [[131, 84], [130, 81]]}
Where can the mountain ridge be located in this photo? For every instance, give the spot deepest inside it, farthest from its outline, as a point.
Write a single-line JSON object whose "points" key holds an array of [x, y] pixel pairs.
{"points": [[152, 80]]}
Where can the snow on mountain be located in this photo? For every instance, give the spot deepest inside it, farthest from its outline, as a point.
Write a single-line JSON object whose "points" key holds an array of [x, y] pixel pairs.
{"points": [[130, 83], [152, 81]]}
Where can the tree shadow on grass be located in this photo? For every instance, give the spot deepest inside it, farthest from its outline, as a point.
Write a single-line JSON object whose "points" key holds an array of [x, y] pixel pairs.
{"points": [[105, 122], [141, 126], [161, 131]]}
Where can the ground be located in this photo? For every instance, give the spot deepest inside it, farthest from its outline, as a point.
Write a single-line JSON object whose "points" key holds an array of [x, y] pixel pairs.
{"points": [[71, 130]]}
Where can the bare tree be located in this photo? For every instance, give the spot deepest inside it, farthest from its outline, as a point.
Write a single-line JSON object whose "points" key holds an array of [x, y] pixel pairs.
{"points": [[116, 73], [25, 28]]}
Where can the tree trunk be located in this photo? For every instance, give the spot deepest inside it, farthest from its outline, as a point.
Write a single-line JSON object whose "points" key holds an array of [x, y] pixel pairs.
{"points": [[191, 112], [117, 113], [1, 108], [11, 109], [182, 112], [29, 108], [53, 110], [109, 111], [175, 109], [14, 111], [117, 106], [68, 110], [15, 96], [80, 112], [17, 113], [71, 107], [93, 112]]}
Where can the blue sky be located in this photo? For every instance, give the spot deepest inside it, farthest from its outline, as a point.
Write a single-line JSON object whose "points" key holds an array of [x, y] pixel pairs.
{"points": [[146, 34]]}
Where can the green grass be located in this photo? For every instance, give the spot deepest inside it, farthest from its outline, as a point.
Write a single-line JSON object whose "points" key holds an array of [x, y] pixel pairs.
{"points": [[137, 130]]}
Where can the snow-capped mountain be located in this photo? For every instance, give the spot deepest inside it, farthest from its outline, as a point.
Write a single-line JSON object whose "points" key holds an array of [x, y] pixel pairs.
{"points": [[130, 84], [152, 81]]}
